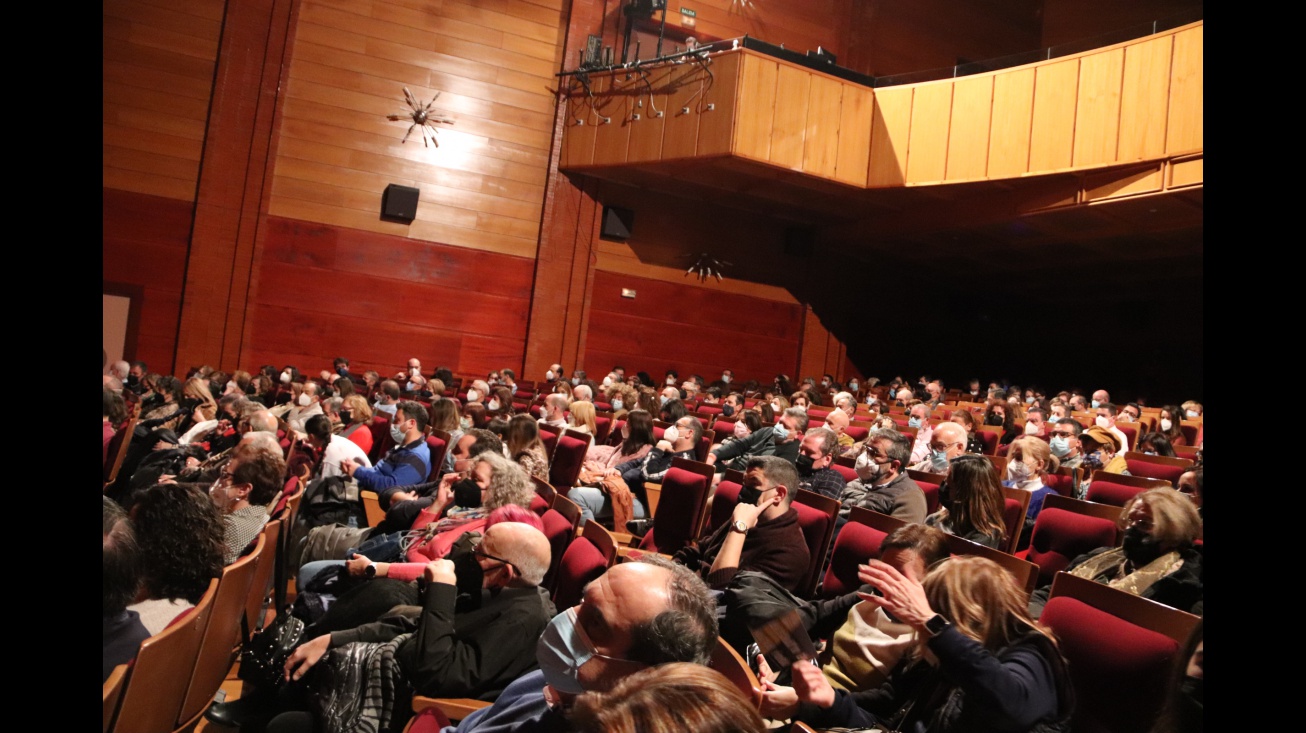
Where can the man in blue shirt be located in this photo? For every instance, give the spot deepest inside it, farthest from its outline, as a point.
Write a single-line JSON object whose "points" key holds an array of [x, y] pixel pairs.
{"points": [[408, 464]]}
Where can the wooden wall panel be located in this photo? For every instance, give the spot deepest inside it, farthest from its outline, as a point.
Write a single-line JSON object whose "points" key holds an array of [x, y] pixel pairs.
{"points": [[646, 133], [968, 135], [1184, 126], [755, 107], [690, 329], [685, 103], [1097, 117], [821, 134], [889, 134], [326, 290], [1052, 132], [856, 115], [1144, 98], [1009, 136], [716, 124], [931, 117], [612, 132], [492, 64], [789, 124], [144, 243], [157, 77]]}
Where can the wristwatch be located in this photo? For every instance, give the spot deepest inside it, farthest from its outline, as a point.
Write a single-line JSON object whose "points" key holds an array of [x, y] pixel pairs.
{"points": [[937, 624], [739, 526]]}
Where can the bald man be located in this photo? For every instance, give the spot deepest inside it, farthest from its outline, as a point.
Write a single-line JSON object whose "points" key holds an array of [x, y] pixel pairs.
{"points": [[946, 443]]}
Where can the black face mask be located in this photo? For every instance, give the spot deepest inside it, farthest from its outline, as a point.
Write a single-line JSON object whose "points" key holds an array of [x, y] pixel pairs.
{"points": [[727, 410], [749, 495], [804, 464], [342, 371], [467, 494], [1139, 547], [345, 415], [133, 380], [992, 419]]}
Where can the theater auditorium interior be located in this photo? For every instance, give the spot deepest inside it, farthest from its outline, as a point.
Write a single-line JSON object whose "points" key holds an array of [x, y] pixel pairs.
{"points": [[994, 205]]}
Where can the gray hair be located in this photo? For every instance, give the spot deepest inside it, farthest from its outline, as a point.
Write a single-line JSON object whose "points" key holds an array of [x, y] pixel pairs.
{"points": [[799, 414], [685, 632], [509, 482], [829, 440], [262, 441], [899, 445], [583, 392]]}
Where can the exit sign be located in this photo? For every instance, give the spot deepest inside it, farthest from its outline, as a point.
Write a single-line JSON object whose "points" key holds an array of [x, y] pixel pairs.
{"points": [[688, 18], [688, 12]]}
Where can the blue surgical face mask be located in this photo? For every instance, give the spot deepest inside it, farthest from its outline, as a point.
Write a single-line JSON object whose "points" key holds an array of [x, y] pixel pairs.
{"points": [[939, 460], [618, 404], [1096, 404], [562, 650], [663, 400], [397, 434], [780, 432], [1060, 446], [914, 422]]}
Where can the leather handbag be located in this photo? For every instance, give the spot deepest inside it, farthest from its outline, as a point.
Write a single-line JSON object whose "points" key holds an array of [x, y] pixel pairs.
{"points": [[263, 660]]}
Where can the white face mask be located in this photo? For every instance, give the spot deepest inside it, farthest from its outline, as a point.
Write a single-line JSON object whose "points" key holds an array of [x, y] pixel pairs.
{"points": [[866, 468], [1192, 414], [607, 382], [725, 378], [1018, 471], [741, 429], [1166, 425], [305, 400], [473, 395], [618, 404], [852, 386], [1102, 422], [494, 404], [414, 370], [775, 406], [671, 434], [465, 422], [575, 381], [671, 381], [285, 377], [1031, 428]]}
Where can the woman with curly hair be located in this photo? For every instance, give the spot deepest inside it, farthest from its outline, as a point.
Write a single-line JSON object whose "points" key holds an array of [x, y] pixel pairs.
{"points": [[180, 534]]}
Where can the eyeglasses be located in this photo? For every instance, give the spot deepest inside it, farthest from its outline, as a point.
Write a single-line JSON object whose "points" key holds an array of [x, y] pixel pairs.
{"points": [[1062, 434], [481, 553], [936, 446], [1142, 523]]}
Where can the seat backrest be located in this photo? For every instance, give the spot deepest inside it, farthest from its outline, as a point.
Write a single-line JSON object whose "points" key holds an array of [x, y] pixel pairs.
{"points": [[1015, 506], [1121, 649], [438, 443], [113, 693], [989, 437], [855, 544], [724, 426], [603, 427], [544, 489], [1131, 432], [858, 432], [560, 530], [816, 515], [1061, 535], [550, 440], [157, 684], [258, 589], [118, 446], [1105, 491], [704, 445], [1024, 572], [848, 472], [870, 518], [381, 440], [582, 562], [724, 500], [372, 507], [929, 483], [726, 660], [1064, 481], [568, 458], [1191, 429], [1157, 467], [681, 507], [223, 630]]}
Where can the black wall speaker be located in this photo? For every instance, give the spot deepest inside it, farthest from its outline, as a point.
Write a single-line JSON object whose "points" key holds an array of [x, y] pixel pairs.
{"points": [[617, 223], [798, 241], [399, 202]]}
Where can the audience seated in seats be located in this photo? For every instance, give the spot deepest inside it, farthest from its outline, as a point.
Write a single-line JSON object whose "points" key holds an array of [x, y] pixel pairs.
{"points": [[461, 505], [781, 440], [115, 414], [882, 483], [407, 464], [604, 467], [981, 662], [678, 441], [307, 404], [967, 421], [445, 416], [635, 616], [1106, 419], [947, 441], [334, 449], [356, 415], [866, 643], [474, 633], [553, 415], [671, 409], [972, 505], [581, 419], [623, 399], [1190, 483], [1035, 421], [181, 539], [919, 417], [1168, 425], [837, 422], [120, 573], [525, 447], [1101, 450], [474, 416], [1155, 444], [499, 403], [243, 492], [403, 512], [748, 422], [1064, 442], [1029, 461], [1156, 559], [1000, 414], [762, 535], [411, 377], [815, 454], [668, 699], [387, 397], [164, 408]]}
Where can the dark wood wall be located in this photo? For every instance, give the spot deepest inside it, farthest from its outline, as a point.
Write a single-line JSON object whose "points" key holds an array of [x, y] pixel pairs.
{"points": [[689, 329]]}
